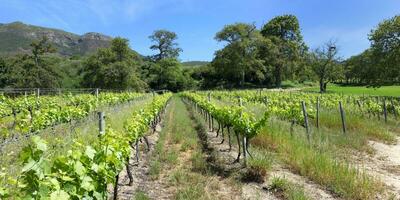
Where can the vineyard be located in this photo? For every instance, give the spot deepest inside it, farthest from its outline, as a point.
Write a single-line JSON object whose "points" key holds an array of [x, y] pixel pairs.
{"points": [[240, 144]]}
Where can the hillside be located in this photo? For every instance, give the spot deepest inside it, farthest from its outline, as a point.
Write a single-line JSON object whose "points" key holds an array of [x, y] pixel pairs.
{"points": [[190, 64], [16, 37]]}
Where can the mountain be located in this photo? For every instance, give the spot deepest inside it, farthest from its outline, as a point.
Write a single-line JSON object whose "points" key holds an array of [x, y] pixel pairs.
{"points": [[16, 37], [191, 64]]}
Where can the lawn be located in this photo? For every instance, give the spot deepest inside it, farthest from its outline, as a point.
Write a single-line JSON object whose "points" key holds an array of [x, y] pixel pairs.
{"points": [[360, 90]]}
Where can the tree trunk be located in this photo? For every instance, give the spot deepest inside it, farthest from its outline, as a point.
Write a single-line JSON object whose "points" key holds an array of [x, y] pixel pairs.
{"points": [[325, 84], [278, 74], [321, 85]]}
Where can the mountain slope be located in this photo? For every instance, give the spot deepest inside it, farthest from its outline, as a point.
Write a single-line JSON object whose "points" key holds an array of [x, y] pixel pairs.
{"points": [[16, 37], [194, 64]]}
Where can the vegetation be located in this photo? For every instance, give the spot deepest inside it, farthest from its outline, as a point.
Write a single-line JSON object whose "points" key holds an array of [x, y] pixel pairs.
{"points": [[360, 90], [314, 135], [85, 171], [287, 190], [251, 57]]}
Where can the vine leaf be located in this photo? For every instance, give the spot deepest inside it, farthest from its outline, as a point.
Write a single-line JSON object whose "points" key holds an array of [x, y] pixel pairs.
{"points": [[59, 195]]}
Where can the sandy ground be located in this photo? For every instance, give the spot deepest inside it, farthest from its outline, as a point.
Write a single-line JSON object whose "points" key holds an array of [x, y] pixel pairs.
{"points": [[383, 164], [260, 191]]}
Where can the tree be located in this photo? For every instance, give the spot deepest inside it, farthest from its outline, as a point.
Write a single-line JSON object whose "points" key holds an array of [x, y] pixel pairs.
{"points": [[361, 69], [167, 74], [325, 64], [40, 48], [385, 47], [284, 32], [120, 47], [165, 44], [115, 67], [239, 56], [3, 72]]}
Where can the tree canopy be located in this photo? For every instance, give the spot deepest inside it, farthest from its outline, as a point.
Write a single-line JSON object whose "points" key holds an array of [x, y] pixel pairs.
{"points": [[165, 43]]}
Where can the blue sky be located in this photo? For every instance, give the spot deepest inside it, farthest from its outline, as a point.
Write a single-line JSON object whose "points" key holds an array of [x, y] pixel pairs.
{"points": [[196, 21]]}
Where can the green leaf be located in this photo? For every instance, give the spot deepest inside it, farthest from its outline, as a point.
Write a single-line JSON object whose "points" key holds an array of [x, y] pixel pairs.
{"points": [[3, 192], [40, 143], [79, 168], [90, 152], [29, 166], [66, 178], [59, 195], [87, 183], [55, 183]]}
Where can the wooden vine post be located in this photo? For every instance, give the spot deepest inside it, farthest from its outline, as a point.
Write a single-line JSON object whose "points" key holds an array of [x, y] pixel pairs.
{"points": [[97, 93], [377, 102], [317, 115], [394, 108], [209, 114], [342, 116], [102, 123], [303, 106], [244, 140], [384, 110]]}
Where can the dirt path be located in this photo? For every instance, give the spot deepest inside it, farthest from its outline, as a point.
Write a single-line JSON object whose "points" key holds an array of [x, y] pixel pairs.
{"points": [[383, 164], [312, 189], [140, 170], [257, 190], [223, 160], [177, 178]]}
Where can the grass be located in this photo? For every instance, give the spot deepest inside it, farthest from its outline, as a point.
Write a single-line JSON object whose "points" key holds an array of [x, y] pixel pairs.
{"points": [[140, 195], [359, 90], [178, 155], [285, 189], [320, 166], [258, 165], [372, 129]]}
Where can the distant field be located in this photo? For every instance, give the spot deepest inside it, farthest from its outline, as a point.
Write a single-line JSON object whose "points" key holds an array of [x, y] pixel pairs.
{"points": [[381, 91]]}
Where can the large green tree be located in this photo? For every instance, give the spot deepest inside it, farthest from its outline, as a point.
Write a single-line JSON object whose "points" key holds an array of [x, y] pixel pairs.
{"points": [[385, 46], [284, 32], [238, 60], [165, 43], [168, 74], [116, 67], [38, 69]]}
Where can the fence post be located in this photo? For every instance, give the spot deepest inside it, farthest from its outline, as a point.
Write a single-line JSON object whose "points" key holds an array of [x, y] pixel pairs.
{"points": [[244, 139], [317, 112], [38, 93], [394, 108], [97, 93], [303, 106], [342, 115], [102, 123], [384, 110]]}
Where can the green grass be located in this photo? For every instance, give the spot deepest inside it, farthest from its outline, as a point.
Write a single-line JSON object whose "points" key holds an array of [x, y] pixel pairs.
{"points": [[287, 190], [140, 195], [360, 90], [319, 165]]}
